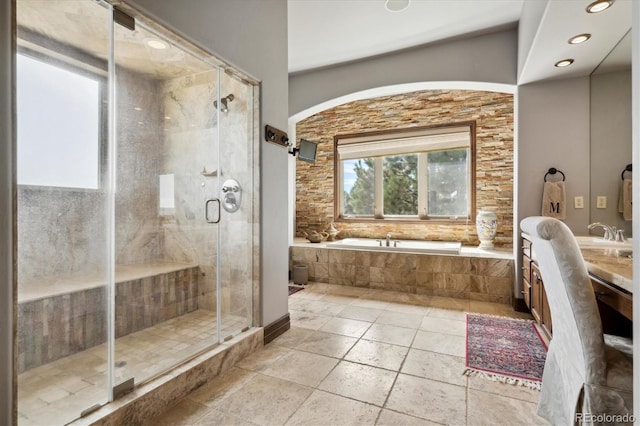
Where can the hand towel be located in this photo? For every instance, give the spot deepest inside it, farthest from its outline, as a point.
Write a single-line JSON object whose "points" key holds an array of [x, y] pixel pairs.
{"points": [[625, 199], [554, 200]]}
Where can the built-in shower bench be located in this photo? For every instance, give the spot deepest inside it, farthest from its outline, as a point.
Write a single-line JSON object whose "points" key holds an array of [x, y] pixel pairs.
{"points": [[65, 315]]}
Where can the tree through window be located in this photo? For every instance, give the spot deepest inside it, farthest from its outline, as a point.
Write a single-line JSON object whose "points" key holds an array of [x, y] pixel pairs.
{"points": [[423, 173]]}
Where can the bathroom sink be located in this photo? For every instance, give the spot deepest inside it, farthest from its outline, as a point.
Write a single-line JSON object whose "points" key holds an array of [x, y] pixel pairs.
{"points": [[589, 241]]}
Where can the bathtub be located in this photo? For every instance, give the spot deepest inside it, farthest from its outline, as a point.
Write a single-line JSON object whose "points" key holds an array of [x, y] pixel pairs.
{"points": [[412, 246]]}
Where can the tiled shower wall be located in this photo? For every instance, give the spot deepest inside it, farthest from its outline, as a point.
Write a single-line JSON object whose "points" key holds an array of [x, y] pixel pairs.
{"points": [[493, 114], [473, 278], [61, 231]]}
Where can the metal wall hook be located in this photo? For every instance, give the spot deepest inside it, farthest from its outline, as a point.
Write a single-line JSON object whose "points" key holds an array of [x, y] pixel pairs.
{"points": [[553, 171], [629, 168]]}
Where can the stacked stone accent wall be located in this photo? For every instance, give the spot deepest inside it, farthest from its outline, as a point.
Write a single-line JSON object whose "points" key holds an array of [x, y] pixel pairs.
{"points": [[493, 114]]}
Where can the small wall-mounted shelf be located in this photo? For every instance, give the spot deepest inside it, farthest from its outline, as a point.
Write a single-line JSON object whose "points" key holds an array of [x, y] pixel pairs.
{"points": [[273, 135], [208, 174]]}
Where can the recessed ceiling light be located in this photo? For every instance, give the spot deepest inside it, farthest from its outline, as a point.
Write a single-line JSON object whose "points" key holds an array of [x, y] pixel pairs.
{"points": [[580, 38], [599, 6], [156, 44], [564, 63], [396, 5]]}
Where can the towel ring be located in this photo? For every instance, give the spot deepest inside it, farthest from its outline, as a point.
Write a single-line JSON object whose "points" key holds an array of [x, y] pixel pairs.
{"points": [[629, 168], [553, 171]]}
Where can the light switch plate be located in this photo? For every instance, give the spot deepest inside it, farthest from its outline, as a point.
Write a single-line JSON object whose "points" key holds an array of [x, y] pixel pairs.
{"points": [[578, 202], [601, 202]]}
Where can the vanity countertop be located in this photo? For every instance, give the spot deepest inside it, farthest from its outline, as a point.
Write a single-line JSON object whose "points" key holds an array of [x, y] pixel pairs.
{"points": [[607, 264], [605, 260]]}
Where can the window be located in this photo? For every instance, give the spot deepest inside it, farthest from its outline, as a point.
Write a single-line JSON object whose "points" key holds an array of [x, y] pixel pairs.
{"points": [[418, 174], [58, 125]]}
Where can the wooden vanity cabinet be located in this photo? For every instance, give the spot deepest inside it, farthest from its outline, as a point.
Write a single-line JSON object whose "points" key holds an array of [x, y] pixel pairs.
{"points": [[533, 290]]}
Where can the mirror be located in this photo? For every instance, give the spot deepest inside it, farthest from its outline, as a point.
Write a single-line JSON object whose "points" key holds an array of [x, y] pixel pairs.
{"points": [[610, 134]]}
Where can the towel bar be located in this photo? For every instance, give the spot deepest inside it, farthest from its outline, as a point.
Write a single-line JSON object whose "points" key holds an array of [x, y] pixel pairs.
{"points": [[553, 171]]}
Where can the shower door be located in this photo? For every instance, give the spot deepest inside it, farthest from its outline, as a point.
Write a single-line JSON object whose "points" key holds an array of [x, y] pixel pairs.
{"points": [[63, 188], [167, 206], [137, 218], [237, 170]]}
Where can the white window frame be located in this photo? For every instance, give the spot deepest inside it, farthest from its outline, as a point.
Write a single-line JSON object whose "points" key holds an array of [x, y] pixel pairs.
{"points": [[420, 141]]}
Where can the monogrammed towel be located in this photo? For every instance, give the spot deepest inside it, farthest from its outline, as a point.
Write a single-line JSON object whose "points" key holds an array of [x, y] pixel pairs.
{"points": [[625, 205], [554, 200]]}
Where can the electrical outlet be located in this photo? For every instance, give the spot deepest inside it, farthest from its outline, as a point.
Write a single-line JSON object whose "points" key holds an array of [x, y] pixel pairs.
{"points": [[601, 202], [578, 202]]}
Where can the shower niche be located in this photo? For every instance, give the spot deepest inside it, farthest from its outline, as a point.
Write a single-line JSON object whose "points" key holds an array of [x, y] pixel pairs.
{"points": [[120, 274]]}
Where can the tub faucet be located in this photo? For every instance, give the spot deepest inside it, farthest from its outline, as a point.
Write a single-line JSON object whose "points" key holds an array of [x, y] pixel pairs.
{"points": [[388, 239], [609, 231]]}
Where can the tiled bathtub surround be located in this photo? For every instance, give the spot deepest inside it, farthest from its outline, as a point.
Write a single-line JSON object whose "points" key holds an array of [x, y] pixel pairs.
{"points": [[493, 115], [56, 326], [476, 276]]}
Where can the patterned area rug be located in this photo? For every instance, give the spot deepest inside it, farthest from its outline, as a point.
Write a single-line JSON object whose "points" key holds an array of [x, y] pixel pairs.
{"points": [[294, 289], [505, 349]]}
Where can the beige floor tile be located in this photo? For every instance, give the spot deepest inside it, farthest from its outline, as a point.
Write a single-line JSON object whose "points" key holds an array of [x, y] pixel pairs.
{"points": [[215, 391], [361, 382], [307, 293], [308, 320], [487, 408], [435, 366], [321, 307], [371, 303], [391, 418], [400, 319], [444, 325], [265, 400], [263, 358], [292, 337], [339, 299], [408, 309], [496, 309], [377, 354], [448, 314], [185, 412], [301, 367], [217, 417], [390, 334], [449, 303], [323, 408], [428, 399], [440, 342], [512, 391], [360, 313], [346, 327], [328, 344]]}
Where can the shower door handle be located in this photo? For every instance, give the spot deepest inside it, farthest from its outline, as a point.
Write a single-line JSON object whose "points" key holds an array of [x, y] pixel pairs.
{"points": [[206, 210]]}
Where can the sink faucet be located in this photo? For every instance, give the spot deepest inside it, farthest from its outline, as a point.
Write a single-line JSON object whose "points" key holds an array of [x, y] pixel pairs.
{"points": [[609, 231], [388, 239]]}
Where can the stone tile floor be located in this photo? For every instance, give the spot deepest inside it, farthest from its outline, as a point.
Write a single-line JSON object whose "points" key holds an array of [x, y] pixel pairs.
{"points": [[361, 356], [56, 393]]}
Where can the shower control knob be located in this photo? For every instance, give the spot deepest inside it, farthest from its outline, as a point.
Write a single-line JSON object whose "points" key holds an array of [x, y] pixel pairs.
{"points": [[234, 189]]}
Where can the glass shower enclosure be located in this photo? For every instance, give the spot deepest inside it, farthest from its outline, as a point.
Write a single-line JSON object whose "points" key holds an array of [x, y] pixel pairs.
{"points": [[136, 176]]}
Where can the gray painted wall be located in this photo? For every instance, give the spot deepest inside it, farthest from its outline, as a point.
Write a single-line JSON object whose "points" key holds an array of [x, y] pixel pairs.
{"points": [[553, 131], [6, 219], [252, 34], [489, 58]]}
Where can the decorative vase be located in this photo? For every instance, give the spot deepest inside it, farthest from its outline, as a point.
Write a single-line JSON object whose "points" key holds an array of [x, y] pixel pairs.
{"points": [[332, 231], [487, 226]]}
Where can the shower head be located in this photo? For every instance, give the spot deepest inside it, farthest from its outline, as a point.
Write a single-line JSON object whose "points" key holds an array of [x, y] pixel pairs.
{"points": [[224, 101]]}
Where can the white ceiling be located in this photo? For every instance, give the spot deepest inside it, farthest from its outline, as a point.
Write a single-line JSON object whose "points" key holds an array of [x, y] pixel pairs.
{"points": [[328, 32]]}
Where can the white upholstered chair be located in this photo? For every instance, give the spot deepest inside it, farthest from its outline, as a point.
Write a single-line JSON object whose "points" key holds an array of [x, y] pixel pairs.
{"points": [[586, 372]]}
